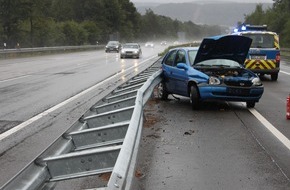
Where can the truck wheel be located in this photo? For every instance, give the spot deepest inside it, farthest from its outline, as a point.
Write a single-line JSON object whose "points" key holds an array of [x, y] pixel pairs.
{"points": [[251, 104], [274, 77]]}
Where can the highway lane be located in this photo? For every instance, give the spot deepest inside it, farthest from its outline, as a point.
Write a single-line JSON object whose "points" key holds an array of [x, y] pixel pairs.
{"points": [[31, 87], [26, 83]]}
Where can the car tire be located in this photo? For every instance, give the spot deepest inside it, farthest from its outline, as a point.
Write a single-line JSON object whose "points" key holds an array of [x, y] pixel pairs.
{"points": [[274, 77], [162, 92], [251, 104], [194, 97]]}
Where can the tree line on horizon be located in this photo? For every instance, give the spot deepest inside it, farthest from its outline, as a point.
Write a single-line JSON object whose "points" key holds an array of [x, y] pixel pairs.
{"points": [[277, 18], [44, 23]]}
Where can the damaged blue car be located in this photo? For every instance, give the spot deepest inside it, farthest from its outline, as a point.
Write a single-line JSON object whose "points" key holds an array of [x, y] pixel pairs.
{"points": [[212, 71]]}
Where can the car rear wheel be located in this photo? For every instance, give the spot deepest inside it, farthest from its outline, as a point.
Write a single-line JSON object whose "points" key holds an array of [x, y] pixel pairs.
{"points": [[251, 104], [194, 97], [274, 77], [162, 92]]}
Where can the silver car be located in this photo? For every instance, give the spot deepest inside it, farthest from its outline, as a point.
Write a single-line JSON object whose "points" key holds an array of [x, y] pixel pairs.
{"points": [[130, 50]]}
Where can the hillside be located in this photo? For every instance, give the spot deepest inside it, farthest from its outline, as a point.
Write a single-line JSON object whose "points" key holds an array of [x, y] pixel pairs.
{"points": [[226, 13]]}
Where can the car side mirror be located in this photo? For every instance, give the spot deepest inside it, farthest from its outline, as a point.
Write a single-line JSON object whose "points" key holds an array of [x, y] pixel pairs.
{"points": [[182, 66]]}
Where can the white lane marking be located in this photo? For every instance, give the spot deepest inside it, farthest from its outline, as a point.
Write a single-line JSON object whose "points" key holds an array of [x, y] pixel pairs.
{"points": [[271, 128], [285, 72], [46, 112], [7, 80]]}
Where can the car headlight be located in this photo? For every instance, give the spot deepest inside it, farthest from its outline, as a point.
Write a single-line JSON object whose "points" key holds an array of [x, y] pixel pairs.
{"points": [[256, 81], [136, 51], [214, 80]]}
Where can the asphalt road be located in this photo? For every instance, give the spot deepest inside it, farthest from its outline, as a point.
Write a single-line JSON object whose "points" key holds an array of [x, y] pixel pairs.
{"points": [[41, 97], [221, 146]]}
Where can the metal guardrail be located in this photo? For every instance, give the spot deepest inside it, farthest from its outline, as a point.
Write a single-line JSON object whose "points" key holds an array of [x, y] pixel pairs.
{"points": [[106, 139], [123, 173], [7, 53]]}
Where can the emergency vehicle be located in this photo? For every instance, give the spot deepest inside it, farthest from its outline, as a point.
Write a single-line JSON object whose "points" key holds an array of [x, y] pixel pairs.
{"points": [[264, 54]]}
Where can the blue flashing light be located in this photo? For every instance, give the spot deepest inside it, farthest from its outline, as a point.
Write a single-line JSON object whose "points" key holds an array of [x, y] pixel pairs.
{"points": [[244, 28]]}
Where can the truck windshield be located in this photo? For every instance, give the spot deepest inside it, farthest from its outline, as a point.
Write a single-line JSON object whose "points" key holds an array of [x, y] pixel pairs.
{"points": [[261, 40]]}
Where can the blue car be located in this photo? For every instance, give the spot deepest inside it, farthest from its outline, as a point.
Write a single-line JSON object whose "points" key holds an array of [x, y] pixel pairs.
{"points": [[214, 71]]}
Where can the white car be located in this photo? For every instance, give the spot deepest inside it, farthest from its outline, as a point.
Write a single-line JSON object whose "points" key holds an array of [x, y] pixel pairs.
{"points": [[130, 50], [149, 44]]}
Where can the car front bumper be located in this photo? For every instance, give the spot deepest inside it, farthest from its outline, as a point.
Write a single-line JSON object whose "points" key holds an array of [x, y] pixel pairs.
{"points": [[129, 54], [225, 93]]}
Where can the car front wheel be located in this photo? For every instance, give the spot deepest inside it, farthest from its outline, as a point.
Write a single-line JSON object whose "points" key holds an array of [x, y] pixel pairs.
{"points": [[162, 92], [194, 97]]}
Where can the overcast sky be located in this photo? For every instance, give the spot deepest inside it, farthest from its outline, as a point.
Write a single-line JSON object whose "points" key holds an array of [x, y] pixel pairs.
{"points": [[181, 1]]}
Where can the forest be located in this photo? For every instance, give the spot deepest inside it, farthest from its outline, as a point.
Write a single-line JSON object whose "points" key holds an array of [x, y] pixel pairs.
{"points": [[45, 23], [277, 18]]}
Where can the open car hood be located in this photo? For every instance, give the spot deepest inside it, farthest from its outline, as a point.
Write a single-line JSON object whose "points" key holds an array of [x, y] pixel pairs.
{"points": [[232, 47]]}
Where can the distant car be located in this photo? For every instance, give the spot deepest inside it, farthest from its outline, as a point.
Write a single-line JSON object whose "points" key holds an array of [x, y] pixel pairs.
{"points": [[130, 50], [213, 71], [149, 44], [163, 43], [176, 43], [113, 46]]}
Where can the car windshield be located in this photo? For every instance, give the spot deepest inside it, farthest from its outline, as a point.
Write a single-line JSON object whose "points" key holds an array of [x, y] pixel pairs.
{"points": [[130, 46], [191, 56], [224, 63], [113, 43], [261, 40]]}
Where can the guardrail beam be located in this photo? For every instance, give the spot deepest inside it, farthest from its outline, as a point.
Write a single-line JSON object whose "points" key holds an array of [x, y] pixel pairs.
{"points": [[101, 136], [83, 163], [111, 117]]}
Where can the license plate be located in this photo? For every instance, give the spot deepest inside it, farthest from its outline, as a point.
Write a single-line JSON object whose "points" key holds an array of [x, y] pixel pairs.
{"points": [[258, 57], [238, 91]]}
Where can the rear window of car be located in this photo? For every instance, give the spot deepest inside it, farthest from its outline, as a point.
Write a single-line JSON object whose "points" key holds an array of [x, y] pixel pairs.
{"points": [[261, 40]]}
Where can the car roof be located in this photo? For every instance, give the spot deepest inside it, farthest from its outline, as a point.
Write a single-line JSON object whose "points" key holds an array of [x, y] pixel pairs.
{"points": [[232, 47], [131, 43], [185, 48], [254, 32]]}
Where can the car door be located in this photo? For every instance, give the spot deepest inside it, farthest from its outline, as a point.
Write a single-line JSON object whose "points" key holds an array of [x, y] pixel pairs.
{"points": [[179, 75], [167, 67], [175, 78]]}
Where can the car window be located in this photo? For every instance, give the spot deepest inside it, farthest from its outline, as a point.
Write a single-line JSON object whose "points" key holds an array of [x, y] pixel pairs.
{"points": [[261, 40], [131, 46], [170, 58], [180, 57], [191, 56], [219, 63]]}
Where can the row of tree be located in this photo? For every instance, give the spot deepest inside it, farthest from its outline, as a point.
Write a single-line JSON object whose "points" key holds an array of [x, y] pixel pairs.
{"points": [[38, 23], [277, 18]]}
